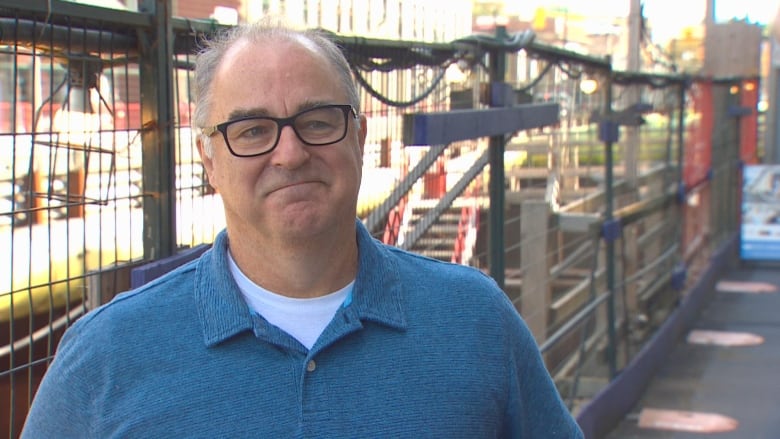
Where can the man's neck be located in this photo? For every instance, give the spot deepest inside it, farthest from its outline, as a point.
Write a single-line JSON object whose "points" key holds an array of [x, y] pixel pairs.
{"points": [[304, 268]]}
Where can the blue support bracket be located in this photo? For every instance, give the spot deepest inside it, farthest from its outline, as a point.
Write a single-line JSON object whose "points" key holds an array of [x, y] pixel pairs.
{"points": [[682, 193], [739, 111], [502, 95], [442, 128], [679, 275], [609, 131], [148, 272], [611, 230]]}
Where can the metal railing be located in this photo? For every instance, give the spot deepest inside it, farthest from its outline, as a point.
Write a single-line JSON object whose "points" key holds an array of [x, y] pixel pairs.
{"points": [[590, 234]]}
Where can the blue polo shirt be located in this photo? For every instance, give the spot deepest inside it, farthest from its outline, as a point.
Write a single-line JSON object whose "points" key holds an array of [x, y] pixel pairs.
{"points": [[423, 349]]}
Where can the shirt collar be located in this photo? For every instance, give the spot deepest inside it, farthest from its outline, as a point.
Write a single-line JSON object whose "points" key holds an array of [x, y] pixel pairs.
{"points": [[378, 294], [223, 313]]}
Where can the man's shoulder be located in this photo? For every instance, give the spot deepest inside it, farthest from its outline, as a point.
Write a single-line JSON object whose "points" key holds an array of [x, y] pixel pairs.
{"points": [[160, 296], [440, 295], [448, 287], [414, 266], [420, 267]]}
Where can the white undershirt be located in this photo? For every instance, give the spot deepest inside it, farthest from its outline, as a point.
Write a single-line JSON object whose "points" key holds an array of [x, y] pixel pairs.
{"points": [[304, 319]]}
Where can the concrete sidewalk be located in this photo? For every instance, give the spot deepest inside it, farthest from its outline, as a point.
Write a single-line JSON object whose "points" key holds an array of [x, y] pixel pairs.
{"points": [[711, 383]]}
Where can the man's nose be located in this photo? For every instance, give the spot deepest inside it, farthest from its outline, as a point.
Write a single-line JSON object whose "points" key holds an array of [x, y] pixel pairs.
{"points": [[290, 152]]}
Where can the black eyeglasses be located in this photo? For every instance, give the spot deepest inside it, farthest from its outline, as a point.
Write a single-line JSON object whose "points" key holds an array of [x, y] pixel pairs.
{"points": [[255, 135]]}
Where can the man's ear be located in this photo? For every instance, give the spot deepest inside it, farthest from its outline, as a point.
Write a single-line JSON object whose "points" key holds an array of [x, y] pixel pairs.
{"points": [[208, 162]]}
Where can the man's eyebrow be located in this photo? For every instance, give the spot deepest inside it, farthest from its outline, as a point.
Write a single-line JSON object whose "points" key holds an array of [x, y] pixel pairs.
{"points": [[308, 105], [247, 112], [263, 112]]}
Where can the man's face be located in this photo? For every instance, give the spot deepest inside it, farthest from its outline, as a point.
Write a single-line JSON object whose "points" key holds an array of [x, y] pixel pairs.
{"points": [[295, 191]]}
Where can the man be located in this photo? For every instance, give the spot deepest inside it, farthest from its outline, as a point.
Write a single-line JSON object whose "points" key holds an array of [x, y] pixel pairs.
{"points": [[297, 324]]}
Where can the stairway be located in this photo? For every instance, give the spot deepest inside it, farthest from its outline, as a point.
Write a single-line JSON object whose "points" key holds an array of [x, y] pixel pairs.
{"points": [[438, 242]]}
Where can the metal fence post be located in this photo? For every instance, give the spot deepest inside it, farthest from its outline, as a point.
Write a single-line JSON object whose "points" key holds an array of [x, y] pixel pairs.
{"points": [[157, 119], [497, 186], [609, 134]]}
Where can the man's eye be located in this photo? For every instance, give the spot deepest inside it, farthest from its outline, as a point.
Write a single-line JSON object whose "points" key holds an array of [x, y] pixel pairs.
{"points": [[317, 125], [254, 131]]}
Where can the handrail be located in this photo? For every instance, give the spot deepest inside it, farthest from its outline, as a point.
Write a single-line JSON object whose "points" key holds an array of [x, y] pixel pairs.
{"points": [[379, 214], [446, 201], [394, 221], [580, 252], [457, 253], [572, 323], [42, 333]]}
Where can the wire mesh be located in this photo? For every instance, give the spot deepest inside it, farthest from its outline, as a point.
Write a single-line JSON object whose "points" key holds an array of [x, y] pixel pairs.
{"points": [[72, 123]]}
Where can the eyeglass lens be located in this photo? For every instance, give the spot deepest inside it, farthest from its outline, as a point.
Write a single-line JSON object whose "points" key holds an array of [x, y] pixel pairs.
{"points": [[318, 126]]}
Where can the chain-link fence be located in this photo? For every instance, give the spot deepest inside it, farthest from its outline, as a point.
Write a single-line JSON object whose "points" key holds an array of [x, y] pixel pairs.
{"points": [[589, 218]]}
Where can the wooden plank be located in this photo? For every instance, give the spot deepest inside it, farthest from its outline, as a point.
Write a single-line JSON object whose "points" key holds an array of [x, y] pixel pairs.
{"points": [[536, 292]]}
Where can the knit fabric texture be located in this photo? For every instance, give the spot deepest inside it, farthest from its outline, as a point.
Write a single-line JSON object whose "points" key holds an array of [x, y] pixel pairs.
{"points": [[423, 349]]}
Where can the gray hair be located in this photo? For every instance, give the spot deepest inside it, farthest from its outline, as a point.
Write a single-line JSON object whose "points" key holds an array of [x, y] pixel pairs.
{"points": [[214, 49]]}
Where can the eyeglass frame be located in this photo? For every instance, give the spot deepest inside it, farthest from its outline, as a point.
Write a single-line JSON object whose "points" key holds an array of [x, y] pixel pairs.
{"points": [[281, 122]]}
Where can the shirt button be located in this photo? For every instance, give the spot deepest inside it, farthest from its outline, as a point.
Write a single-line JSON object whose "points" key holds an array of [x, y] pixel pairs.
{"points": [[310, 366]]}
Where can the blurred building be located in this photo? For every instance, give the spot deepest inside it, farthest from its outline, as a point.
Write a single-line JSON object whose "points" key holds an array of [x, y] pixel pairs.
{"points": [[558, 26]]}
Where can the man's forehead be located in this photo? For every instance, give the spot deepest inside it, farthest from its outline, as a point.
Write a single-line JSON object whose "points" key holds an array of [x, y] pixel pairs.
{"points": [[281, 55], [275, 64], [277, 44]]}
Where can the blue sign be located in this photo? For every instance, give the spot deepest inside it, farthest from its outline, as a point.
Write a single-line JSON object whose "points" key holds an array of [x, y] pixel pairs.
{"points": [[760, 234]]}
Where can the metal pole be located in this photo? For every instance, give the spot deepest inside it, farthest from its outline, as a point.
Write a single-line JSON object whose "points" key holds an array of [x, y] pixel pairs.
{"points": [[772, 139], [682, 194], [681, 136], [497, 63], [633, 94], [157, 116], [609, 222], [771, 144]]}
